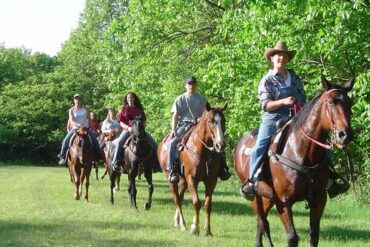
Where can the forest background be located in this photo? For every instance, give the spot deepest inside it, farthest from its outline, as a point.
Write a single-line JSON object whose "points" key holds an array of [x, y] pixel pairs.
{"points": [[148, 47]]}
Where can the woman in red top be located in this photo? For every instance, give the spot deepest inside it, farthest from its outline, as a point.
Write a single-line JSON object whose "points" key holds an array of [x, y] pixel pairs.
{"points": [[95, 123], [131, 108]]}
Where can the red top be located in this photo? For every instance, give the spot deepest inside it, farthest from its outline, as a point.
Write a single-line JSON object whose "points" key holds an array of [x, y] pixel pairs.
{"points": [[128, 114], [96, 125]]}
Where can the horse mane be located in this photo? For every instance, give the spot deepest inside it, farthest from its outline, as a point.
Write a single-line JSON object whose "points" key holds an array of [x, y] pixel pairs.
{"points": [[300, 119]]}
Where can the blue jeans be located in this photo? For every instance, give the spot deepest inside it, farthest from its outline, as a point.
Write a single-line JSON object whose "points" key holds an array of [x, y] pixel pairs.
{"points": [[67, 139], [123, 138], [266, 130], [171, 146]]}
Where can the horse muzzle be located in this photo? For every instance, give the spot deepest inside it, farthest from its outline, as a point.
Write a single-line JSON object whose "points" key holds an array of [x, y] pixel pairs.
{"points": [[219, 147], [343, 137]]}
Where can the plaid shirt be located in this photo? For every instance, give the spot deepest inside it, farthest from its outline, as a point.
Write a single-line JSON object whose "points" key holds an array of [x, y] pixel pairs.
{"points": [[272, 82]]}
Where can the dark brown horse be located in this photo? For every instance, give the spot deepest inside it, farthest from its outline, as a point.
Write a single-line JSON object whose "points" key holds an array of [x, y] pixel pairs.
{"points": [[201, 162], [80, 157], [138, 155], [296, 168]]}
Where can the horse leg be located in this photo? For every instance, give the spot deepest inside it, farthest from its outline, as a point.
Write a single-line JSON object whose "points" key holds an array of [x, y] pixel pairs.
{"points": [[105, 173], [96, 170], [112, 181], [118, 180], [209, 188], [261, 207], [87, 184], [192, 185], [178, 191], [132, 188], [148, 176], [82, 179], [76, 174], [315, 216], [286, 217]]}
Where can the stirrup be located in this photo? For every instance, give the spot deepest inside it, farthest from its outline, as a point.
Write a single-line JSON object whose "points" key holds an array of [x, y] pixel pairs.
{"points": [[173, 178], [248, 190], [338, 188]]}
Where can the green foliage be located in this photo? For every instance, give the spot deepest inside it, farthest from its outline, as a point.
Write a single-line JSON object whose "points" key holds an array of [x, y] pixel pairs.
{"points": [[149, 47]]}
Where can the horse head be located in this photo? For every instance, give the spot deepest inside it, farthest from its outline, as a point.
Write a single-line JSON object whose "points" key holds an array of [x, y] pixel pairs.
{"points": [[216, 126], [138, 128], [337, 114], [82, 137]]}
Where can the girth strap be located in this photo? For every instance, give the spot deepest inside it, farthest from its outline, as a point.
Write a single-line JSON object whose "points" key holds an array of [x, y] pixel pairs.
{"points": [[289, 163]]}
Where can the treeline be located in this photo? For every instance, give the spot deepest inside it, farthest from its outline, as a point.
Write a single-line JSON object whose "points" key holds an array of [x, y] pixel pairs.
{"points": [[149, 47]]}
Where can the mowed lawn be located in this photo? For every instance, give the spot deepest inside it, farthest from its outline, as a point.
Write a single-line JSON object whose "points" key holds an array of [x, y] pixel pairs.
{"points": [[37, 209]]}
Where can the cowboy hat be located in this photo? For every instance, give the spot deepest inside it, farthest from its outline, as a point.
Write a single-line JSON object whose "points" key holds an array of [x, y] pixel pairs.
{"points": [[279, 47]]}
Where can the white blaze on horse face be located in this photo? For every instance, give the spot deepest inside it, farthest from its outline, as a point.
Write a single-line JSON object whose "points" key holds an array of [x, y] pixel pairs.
{"points": [[219, 135]]}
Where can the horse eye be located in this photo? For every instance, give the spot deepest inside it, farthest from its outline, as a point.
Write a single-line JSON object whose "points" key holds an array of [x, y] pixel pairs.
{"points": [[331, 102]]}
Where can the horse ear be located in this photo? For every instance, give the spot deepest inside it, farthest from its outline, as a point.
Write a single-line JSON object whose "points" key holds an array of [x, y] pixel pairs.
{"points": [[325, 83], [223, 107], [349, 84], [208, 106]]}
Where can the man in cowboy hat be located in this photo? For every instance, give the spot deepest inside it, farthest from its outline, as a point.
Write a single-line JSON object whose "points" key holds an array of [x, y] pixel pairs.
{"points": [[277, 91]]}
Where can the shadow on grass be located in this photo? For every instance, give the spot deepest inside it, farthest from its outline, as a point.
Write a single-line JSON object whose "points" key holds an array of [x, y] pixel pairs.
{"points": [[65, 234], [345, 234]]}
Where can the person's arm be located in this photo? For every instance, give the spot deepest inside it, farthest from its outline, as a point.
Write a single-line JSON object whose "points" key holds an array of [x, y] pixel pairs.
{"points": [[174, 122], [273, 105]]}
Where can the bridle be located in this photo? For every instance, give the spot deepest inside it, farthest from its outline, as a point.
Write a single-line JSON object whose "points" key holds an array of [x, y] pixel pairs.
{"points": [[212, 149], [332, 124]]}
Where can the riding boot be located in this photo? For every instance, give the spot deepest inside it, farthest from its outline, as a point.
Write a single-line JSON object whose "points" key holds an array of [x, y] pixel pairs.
{"points": [[223, 172], [174, 177], [62, 161], [248, 190], [337, 184]]}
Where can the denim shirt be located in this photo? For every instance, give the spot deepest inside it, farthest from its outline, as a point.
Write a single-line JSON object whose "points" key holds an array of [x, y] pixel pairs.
{"points": [[273, 87]]}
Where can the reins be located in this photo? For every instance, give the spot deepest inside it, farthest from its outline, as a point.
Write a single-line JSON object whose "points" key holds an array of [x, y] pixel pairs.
{"points": [[326, 146]]}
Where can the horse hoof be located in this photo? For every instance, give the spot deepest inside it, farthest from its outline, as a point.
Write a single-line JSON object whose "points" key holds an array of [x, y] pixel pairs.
{"points": [[208, 233], [147, 206], [76, 197], [194, 229]]}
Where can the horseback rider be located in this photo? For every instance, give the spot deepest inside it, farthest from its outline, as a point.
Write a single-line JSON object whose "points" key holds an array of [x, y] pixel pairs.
{"points": [[187, 109], [131, 108], [278, 91], [110, 123], [78, 116], [95, 123]]}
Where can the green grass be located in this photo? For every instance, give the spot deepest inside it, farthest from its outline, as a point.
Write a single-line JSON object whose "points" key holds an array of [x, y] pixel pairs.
{"points": [[37, 209]]}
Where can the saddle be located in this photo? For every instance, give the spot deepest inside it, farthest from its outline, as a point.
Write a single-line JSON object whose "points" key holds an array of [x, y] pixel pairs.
{"points": [[184, 139], [282, 126]]}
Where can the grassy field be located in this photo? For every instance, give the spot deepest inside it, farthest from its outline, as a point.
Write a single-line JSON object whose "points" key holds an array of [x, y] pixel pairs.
{"points": [[37, 209]]}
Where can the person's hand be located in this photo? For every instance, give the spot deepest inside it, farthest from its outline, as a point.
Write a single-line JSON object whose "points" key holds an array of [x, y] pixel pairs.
{"points": [[288, 100], [172, 134], [129, 129]]}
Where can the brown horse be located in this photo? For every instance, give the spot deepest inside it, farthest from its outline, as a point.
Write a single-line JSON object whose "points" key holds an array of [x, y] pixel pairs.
{"points": [[201, 161], [296, 168], [80, 157]]}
